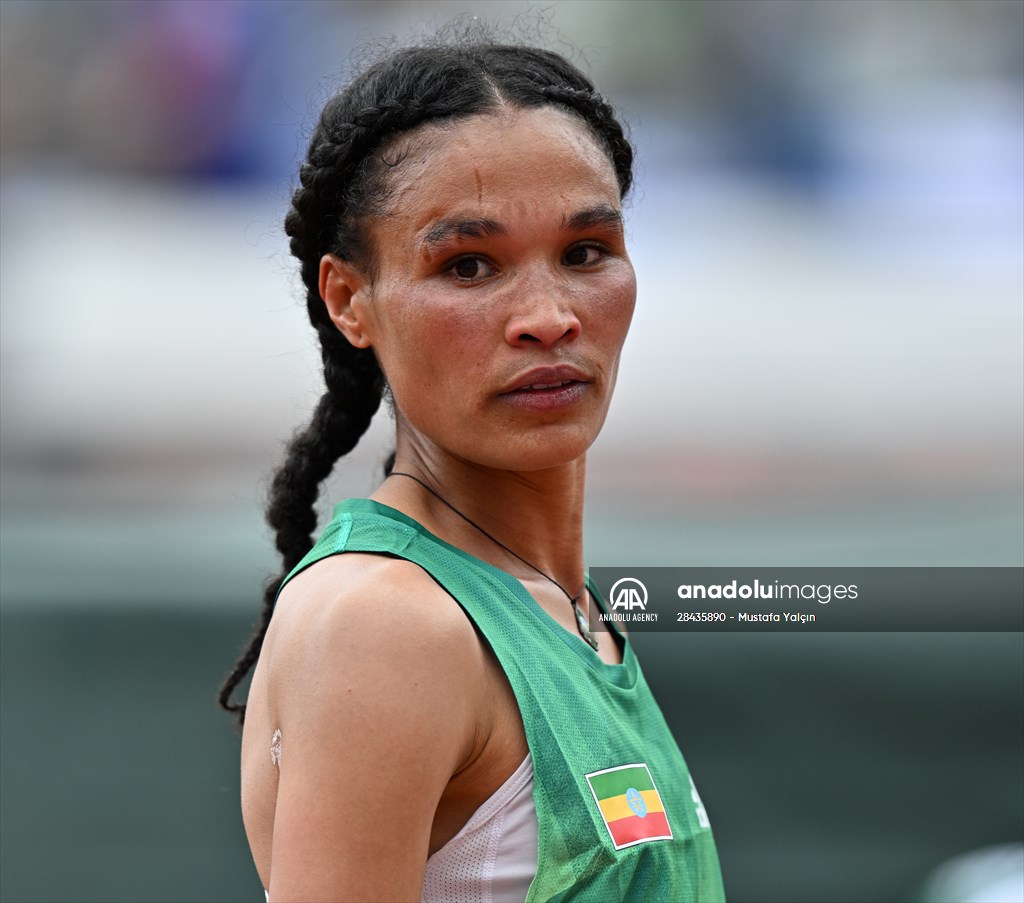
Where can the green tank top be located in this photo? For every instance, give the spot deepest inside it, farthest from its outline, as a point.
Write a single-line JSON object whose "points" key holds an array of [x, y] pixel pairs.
{"points": [[618, 816]]}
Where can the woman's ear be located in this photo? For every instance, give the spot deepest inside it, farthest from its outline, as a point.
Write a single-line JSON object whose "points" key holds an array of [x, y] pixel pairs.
{"points": [[345, 289]]}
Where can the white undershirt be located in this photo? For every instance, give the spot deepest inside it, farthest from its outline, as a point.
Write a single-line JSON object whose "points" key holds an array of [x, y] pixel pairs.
{"points": [[494, 857]]}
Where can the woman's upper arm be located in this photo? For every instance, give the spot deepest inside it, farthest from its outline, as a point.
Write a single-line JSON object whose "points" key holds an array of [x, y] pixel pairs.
{"points": [[373, 691]]}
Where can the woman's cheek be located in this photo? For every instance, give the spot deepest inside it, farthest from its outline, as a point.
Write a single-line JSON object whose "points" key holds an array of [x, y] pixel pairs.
{"points": [[614, 301]]}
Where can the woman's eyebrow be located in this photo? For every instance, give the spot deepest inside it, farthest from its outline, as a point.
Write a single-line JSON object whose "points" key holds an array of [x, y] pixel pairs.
{"points": [[463, 228], [601, 215], [455, 227]]}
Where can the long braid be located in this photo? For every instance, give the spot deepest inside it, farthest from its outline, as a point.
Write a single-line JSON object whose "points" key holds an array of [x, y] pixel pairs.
{"points": [[344, 179], [354, 388]]}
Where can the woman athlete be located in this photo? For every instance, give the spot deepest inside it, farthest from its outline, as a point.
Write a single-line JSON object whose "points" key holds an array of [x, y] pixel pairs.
{"points": [[436, 711]]}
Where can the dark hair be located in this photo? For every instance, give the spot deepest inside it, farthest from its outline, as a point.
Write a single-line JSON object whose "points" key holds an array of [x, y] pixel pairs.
{"points": [[343, 179]]}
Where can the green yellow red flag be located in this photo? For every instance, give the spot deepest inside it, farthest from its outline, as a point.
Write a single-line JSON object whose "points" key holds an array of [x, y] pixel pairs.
{"points": [[630, 805]]}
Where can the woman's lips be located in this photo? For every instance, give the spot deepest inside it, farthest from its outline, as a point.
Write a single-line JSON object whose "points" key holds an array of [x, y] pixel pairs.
{"points": [[546, 396], [547, 389]]}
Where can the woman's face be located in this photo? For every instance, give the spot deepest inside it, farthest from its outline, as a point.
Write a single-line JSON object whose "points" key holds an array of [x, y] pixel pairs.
{"points": [[502, 290]]}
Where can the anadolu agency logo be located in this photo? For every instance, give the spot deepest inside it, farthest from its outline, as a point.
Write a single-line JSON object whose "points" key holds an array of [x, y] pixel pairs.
{"points": [[629, 602], [629, 593]]}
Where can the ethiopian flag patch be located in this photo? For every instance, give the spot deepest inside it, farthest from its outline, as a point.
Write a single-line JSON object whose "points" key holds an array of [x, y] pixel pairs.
{"points": [[630, 805]]}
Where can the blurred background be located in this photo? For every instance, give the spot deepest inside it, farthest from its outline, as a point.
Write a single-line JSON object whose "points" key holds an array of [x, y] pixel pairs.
{"points": [[825, 368]]}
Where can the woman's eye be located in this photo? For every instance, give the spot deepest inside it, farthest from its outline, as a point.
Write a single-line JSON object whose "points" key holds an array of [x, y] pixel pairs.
{"points": [[583, 255], [470, 268]]}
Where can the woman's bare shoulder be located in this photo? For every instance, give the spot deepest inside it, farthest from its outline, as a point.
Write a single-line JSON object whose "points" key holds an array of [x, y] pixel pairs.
{"points": [[344, 608]]}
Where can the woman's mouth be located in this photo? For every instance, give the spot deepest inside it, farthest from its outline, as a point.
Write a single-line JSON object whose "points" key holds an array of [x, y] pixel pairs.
{"points": [[547, 396]]}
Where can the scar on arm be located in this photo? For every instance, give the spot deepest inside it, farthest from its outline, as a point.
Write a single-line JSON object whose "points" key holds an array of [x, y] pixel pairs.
{"points": [[275, 749]]}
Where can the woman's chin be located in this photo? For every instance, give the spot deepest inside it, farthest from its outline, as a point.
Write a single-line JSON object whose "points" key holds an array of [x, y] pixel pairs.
{"points": [[527, 454]]}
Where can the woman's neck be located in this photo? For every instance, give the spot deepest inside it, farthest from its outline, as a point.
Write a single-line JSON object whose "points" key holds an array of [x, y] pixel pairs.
{"points": [[536, 515]]}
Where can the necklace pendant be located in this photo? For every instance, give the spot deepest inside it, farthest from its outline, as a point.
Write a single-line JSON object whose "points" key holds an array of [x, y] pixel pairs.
{"points": [[584, 627]]}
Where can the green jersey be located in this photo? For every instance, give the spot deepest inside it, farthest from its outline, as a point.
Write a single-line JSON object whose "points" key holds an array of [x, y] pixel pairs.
{"points": [[618, 816]]}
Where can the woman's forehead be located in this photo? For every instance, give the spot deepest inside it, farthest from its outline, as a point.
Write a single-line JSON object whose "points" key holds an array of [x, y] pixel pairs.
{"points": [[500, 168]]}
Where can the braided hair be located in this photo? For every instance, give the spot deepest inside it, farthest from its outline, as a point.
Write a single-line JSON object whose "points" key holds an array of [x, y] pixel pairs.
{"points": [[343, 180]]}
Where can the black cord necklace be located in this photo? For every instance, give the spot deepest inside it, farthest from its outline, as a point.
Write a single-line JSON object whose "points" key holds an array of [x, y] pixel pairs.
{"points": [[581, 621]]}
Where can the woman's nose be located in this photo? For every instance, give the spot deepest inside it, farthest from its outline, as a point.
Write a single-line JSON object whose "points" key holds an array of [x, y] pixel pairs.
{"points": [[542, 317]]}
